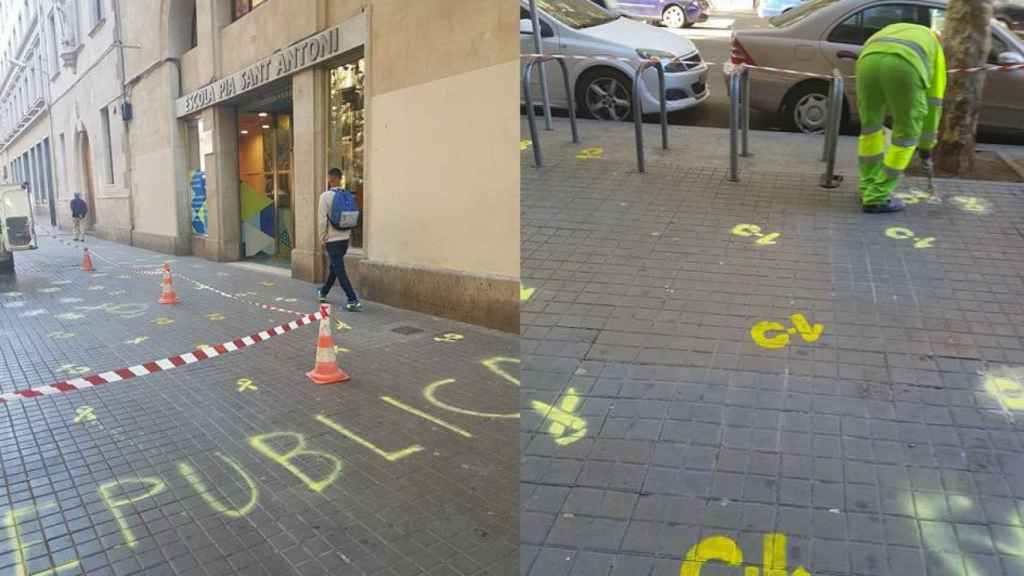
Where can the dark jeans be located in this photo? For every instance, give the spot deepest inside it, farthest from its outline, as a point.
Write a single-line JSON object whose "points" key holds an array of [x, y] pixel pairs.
{"points": [[336, 254]]}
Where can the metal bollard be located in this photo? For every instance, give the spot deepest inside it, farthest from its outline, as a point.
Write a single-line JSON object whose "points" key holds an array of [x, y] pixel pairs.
{"points": [[531, 115], [638, 117], [745, 96], [835, 118], [734, 120], [538, 47]]}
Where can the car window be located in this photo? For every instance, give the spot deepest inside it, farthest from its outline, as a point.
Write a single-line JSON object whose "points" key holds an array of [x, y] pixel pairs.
{"points": [[798, 13], [857, 28], [545, 28], [576, 14], [998, 47]]}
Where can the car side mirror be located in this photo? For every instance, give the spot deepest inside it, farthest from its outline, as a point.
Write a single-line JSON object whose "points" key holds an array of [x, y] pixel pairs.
{"points": [[526, 26], [1010, 58]]}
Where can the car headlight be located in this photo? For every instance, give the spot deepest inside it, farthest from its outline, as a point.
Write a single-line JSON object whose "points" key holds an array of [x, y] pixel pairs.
{"points": [[648, 54]]}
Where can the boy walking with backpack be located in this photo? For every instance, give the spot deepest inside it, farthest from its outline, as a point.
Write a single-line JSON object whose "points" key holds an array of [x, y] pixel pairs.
{"points": [[340, 215]]}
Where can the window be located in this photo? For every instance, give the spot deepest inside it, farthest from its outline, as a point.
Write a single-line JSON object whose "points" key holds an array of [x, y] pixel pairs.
{"points": [[194, 40], [96, 12], [54, 58], [856, 29], [243, 7], [108, 149], [545, 28], [345, 130]]}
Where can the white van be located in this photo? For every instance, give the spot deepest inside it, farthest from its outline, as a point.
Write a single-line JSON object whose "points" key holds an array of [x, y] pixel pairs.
{"points": [[17, 227], [603, 89]]}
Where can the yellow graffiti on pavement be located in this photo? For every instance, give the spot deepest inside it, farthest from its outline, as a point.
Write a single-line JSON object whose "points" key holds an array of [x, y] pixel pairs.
{"points": [[72, 369], [69, 316], [192, 476], [137, 340], [525, 293], [261, 444], [340, 350], [524, 144], [245, 384], [392, 456], [163, 321], [449, 337], [915, 196], [426, 416], [215, 316], [1007, 386], [430, 393], [748, 230], [565, 427], [494, 365], [61, 335], [761, 332], [84, 414], [339, 325], [156, 486], [898, 233], [21, 547], [590, 153], [971, 204], [724, 550], [95, 287], [49, 290], [126, 311], [268, 284]]}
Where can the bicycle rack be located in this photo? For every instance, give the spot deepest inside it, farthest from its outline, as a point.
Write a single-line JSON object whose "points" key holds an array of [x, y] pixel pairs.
{"points": [[835, 117], [638, 119], [531, 115], [739, 119]]}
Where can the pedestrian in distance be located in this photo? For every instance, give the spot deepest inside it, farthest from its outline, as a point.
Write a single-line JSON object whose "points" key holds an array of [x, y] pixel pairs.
{"points": [[79, 209], [339, 215], [901, 71]]}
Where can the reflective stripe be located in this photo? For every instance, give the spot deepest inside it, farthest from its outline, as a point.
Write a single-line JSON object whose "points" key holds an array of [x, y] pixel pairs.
{"points": [[871, 144], [870, 160], [909, 44], [892, 172], [898, 157], [904, 142], [869, 130], [935, 102]]}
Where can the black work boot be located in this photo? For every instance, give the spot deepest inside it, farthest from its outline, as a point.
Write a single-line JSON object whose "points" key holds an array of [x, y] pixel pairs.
{"points": [[890, 205]]}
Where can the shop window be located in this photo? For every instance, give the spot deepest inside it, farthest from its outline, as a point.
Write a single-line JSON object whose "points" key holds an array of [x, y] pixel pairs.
{"points": [[345, 133], [243, 7], [108, 148]]}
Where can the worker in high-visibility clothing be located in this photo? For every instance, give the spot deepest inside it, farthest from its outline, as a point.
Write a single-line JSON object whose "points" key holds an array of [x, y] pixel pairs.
{"points": [[901, 71]]}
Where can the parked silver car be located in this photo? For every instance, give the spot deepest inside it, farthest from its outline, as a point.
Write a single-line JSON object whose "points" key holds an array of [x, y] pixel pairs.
{"points": [[823, 35]]}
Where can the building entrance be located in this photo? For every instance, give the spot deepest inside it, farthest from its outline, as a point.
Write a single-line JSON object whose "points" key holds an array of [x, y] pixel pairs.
{"points": [[265, 180]]}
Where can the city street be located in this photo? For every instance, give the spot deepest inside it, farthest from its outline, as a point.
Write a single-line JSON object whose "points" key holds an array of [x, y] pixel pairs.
{"points": [[141, 438], [721, 374]]}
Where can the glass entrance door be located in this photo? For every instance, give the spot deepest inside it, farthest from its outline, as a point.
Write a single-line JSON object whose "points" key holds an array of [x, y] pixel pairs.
{"points": [[265, 172]]}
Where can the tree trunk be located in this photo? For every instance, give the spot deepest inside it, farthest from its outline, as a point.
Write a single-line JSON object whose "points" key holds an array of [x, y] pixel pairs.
{"points": [[966, 41]]}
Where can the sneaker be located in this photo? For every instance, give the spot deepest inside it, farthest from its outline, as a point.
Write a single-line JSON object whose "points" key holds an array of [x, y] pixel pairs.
{"points": [[354, 306], [890, 205]]}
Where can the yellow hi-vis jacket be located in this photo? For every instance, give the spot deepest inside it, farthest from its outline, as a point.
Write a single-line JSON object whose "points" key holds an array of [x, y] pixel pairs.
{"points": [[920, 47]]}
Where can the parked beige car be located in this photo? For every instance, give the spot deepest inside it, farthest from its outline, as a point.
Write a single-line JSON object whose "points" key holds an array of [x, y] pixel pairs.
{"points": [[823, 35]]}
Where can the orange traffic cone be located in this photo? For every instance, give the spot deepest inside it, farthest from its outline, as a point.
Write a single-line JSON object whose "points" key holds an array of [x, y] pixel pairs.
{"points": [[326, 370], [167, 295], [87, 262]]}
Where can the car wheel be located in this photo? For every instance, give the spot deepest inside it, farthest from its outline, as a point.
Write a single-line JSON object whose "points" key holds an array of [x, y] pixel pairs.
{"points": [[604, 94], [674, 17], [806, 108]]}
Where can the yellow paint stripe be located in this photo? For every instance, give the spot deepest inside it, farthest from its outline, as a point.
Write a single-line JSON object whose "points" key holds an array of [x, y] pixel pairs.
{"points": [[425, 416]]}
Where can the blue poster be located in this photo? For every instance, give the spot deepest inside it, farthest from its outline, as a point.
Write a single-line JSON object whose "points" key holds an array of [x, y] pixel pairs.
{"points": [[199, 202]]}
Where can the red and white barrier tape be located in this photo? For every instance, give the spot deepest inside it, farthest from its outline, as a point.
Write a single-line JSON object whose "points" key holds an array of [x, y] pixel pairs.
{"points": [[696, 65], [161, 365]]}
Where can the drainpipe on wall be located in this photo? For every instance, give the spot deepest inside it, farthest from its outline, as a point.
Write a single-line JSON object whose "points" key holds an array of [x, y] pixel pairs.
{"points": [[127, 146]]}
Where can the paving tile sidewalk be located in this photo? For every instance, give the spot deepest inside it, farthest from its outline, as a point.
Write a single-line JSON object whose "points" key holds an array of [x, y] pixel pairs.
{"points": [[238, 464], [845, 397]]}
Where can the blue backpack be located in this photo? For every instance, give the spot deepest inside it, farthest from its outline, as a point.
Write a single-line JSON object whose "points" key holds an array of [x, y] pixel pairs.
{"points": [[344, 210]]}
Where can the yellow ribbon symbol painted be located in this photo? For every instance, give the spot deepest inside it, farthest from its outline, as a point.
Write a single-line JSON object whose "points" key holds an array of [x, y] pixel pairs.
{"points": [[268, 284], [245, 384], [971, 204], [748, 230], [163, 321], [339, 325], [524, 144], [73, 369], [897, 233], [590, 153], [565, 427], [525, 293], [1007, 390], [84, 414], [449, 337], [763, 336], [137, 340]]}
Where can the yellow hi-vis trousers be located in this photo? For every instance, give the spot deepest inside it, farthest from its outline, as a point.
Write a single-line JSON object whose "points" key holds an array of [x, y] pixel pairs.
{"points": [[887, 83]]}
